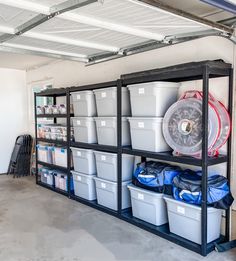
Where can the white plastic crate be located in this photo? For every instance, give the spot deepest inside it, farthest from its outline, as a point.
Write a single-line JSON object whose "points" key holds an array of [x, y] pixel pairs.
{"points": [[107, 131], [60, 157], [107, 193], [185, 221], [148, 206], [84, 185], [45, 153], [84, 161], [84, 103], [106, 100], [60, 181], [43, 175], [107, 166], [85, 129], [146, 134], [152, 99]]}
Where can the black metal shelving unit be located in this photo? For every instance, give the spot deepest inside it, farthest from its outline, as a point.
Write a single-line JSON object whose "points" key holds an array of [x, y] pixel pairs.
{"points": [[179, 73], [54, 93]]}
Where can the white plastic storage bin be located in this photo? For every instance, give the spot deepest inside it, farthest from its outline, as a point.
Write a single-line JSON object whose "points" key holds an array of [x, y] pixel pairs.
{"points": [[185, 221], [84, 161], [84, 186], [84, 103], [60, 157], [107, 193], [152, 99], [146, 134], [107, 131], [45, 153], [50, 177], [85, 129], [60, 181], [107, 166], [106, 101], [148, 206], [43, 174]]}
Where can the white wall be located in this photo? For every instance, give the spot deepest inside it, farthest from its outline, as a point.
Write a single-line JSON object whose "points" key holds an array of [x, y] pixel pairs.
{"points": [[68, 73], [13, 111]]}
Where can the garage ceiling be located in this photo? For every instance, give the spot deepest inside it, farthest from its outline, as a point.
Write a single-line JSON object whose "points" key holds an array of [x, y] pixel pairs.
{"points": [[93, 31]]}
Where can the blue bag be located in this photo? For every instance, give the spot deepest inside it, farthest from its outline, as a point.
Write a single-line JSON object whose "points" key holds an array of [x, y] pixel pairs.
{"points": [[187, 187], [155, 176]]}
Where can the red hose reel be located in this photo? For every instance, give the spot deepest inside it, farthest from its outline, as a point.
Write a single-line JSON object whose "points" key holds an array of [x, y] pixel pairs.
{"points": [[182, 125]]}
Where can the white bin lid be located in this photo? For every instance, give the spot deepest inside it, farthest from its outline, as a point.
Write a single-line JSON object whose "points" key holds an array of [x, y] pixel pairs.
{"points": [[155, 84], [147, 119], [145, 191], [83, 175], [82, 92], [112, 154], [187, 205], [124, 183], [124, 89], [83, 150], [105, 153], [83, 118], [109, 118]]}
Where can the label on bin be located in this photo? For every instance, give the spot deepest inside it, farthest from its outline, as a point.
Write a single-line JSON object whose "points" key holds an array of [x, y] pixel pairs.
{"points": [[180, 210], [78, 96], [45, 175], [141, 124], [103, 185], [103, 157], [78, 122], [103, 123], [104, 94], [141, 91], [78, 153], [78, 178], [140, 196]]}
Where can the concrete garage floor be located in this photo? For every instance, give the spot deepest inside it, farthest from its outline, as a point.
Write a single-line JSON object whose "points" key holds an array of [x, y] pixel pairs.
{"points": [[39, 225]]}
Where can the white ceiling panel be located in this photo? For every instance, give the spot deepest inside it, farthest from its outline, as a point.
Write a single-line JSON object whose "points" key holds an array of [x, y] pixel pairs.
{"points": [[107, 26], [48, 3], [27, 41], [13, 17], [140, 16], [78, 31]]}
